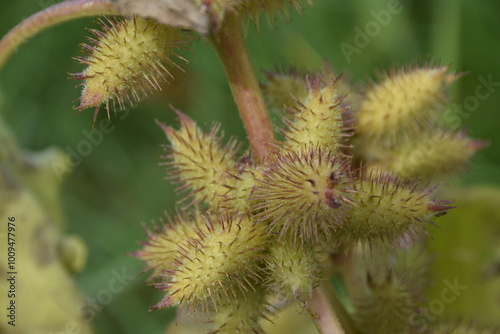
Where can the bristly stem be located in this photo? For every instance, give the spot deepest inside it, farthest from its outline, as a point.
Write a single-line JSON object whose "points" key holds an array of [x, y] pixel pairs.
{"points": [[323, 314], [227, 39], [50, 16]]}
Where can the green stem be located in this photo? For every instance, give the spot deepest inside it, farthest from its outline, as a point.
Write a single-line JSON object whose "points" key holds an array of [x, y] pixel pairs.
{"points": [[323, 314], [345, 318], [61, 12], [228, 41]]}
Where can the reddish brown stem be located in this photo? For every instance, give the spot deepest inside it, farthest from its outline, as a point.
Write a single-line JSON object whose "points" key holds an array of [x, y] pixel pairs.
{"points": [[323, 314], [48, 17], [227, 39]]}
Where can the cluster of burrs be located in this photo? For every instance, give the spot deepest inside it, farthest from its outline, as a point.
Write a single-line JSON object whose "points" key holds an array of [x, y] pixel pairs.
{"points": [[253, 235], [261, 231]]}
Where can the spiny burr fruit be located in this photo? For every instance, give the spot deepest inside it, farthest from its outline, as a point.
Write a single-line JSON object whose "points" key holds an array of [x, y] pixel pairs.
{"points": [[125, 61], [199, 161], [318, 121], [218, 261], [304, 195], [293, 271], [404, 101], [283, 89], [243, 314], [435, 155], [386, 210], [163, 241], [392, 293]]}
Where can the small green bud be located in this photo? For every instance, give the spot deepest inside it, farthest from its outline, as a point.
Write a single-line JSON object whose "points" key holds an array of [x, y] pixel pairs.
{"points": [[73, 252], [293, 271], [243, 314]]}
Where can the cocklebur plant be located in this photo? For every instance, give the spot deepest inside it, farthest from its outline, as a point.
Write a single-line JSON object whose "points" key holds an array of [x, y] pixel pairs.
{"points": [[260, 230], [400, 127], [126, 61], [392, 292]]}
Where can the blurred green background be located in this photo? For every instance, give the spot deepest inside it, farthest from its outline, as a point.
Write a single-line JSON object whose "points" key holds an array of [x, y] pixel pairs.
{"points": [[119, 184]]}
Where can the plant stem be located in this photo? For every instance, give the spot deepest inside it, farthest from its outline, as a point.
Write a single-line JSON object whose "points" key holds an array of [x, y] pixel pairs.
{"points": [[227, 39], [48, 17], [323, 314], [343, 261], [343, 315]]}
